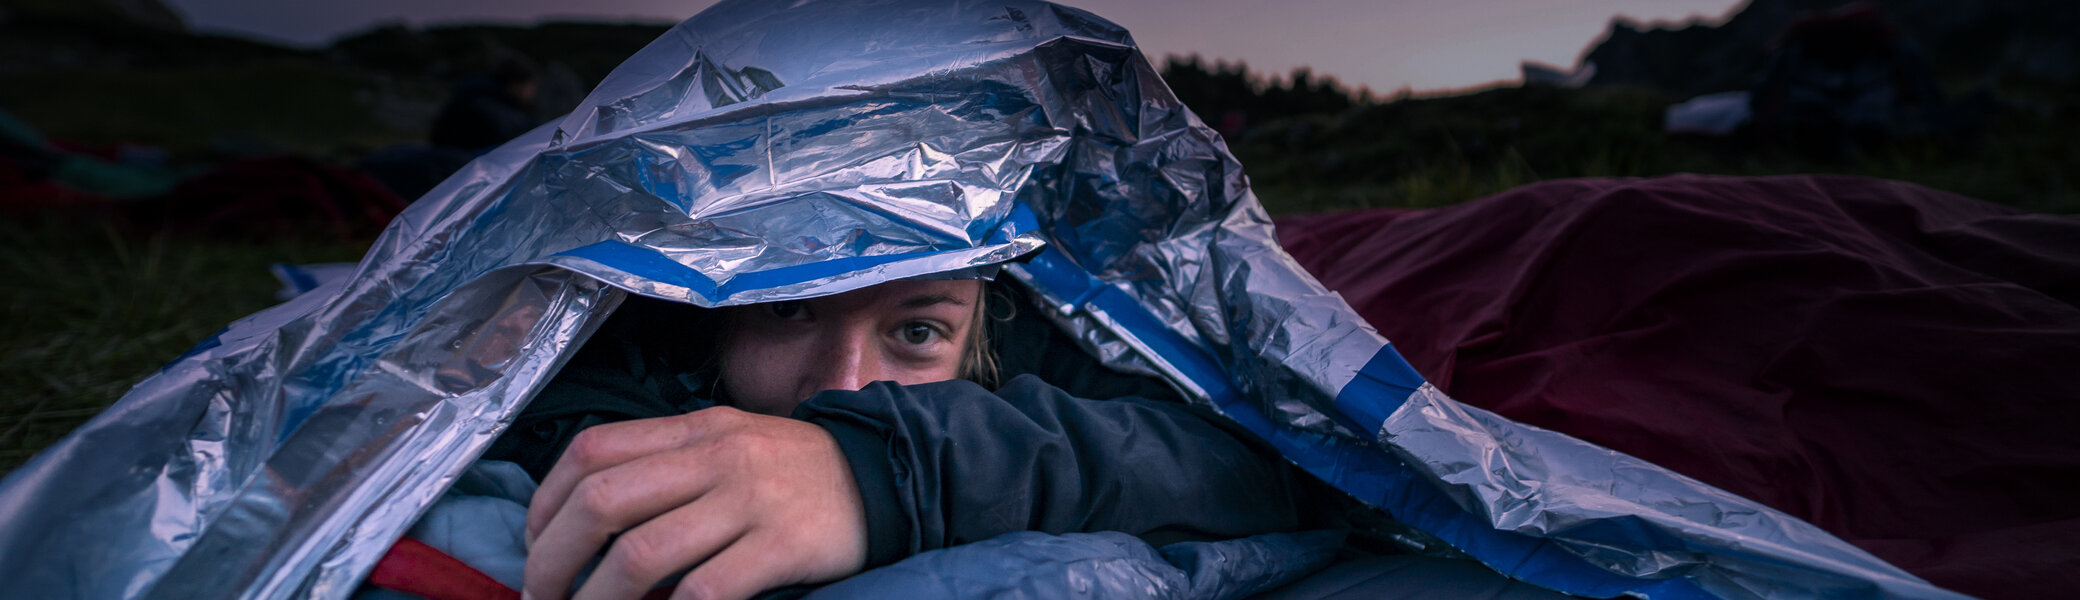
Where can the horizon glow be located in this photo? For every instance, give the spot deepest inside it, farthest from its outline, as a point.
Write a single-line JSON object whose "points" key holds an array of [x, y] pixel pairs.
{"points": [[1384, 45]]}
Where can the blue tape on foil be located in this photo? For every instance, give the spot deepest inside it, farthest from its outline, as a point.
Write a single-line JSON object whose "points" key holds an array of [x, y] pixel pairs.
{"points": [[299, 280], [1367, 473], [649, 264], [1379, 389]]}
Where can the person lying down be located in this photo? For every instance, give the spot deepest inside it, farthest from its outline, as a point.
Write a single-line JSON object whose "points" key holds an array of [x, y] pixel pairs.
{"points": [[726, 452], [837, 155]]}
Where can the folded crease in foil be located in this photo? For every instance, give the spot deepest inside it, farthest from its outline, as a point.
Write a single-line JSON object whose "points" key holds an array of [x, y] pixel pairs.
{"points": [[761, 152]]}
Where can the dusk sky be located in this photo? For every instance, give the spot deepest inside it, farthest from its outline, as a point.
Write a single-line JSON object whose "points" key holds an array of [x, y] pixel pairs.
{"points": [[1383, 44]]}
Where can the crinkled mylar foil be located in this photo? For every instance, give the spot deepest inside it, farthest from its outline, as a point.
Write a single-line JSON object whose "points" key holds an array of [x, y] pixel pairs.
{"points": [[764, 151]]}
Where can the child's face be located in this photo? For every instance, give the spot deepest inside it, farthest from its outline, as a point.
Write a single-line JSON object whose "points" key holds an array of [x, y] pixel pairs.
{"points": [[777, 354]]}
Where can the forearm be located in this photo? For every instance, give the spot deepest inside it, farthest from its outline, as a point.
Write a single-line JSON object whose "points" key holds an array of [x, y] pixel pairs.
{"points": [[950, 463]]}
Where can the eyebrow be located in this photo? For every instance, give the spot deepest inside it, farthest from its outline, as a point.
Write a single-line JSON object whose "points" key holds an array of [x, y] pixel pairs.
{"points": [[925, 300]]}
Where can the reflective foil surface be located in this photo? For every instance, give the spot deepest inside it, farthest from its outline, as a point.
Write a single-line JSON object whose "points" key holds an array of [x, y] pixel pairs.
{"points": [[760, 152]]}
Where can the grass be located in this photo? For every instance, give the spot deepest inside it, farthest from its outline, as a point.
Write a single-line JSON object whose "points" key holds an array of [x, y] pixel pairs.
{"points": [[1430, 152], [276, 105], [93, 310]]}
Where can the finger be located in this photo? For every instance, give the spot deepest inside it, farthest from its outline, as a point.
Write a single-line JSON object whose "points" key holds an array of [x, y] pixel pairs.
{"points": [[601, 448], [668, 544], [606, 503], [752, 564]]}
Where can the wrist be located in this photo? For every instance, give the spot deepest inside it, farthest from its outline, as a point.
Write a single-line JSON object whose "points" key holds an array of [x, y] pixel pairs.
{"points": [[888, 530]]}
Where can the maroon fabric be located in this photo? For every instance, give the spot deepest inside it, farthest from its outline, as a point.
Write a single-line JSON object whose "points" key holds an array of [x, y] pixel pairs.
{"points": [[271, 198], [1898, 365], [255, 198]]}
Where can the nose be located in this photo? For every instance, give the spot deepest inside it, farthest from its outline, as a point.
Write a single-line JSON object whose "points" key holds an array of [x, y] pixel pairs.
{"points": [[847, 362]]}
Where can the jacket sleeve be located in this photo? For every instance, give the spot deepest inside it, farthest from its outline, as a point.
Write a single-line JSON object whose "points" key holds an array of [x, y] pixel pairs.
{"points": [[949, 463]]}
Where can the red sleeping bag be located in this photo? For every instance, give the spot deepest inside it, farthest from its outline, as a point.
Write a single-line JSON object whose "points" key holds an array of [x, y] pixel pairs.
{"points": [[1898, 365]]}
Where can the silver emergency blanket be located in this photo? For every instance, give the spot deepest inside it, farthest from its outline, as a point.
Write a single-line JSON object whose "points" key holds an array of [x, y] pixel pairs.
{"points": [[764, 151]]}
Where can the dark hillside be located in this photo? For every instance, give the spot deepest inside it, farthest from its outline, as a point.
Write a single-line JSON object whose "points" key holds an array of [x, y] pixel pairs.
{"points": [[1426, 152], [90, 73], [589, 50], [2015, 43]]}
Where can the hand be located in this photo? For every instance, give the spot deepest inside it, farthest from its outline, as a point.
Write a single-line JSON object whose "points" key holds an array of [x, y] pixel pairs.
{"points": [[751, 502]]}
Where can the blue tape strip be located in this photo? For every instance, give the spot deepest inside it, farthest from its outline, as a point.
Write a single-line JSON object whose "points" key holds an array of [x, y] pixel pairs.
{"points": [[1381, 387], [1367, 473], [300, 280], [649, 264]]}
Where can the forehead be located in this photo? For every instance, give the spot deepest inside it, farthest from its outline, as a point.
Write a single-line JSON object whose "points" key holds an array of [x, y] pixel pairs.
{"points": [[960, 294]]}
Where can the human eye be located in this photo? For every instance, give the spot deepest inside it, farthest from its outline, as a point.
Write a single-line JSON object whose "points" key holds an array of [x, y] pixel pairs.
{"points": [[918, 333], [787, 310]]}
